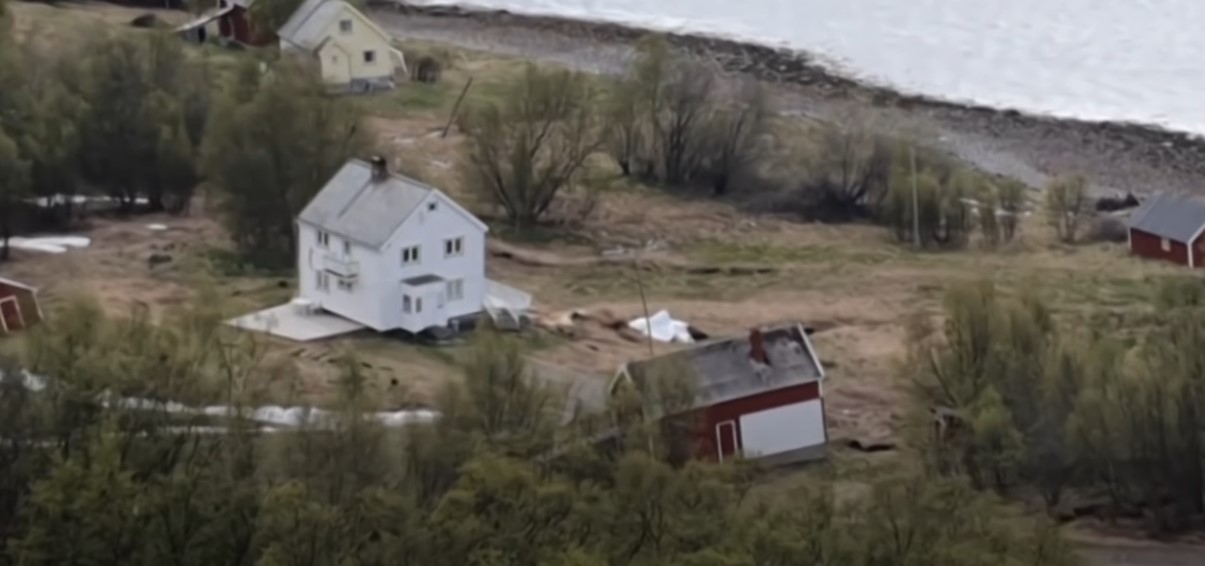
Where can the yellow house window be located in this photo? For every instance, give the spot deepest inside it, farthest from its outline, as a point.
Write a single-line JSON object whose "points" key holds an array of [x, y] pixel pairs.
{"points": [[345, 26]]}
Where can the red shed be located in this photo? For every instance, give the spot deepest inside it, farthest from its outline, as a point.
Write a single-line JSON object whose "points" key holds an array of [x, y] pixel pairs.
{"points": [[235, 25], [19, 308], [758, 396], [1168, 227]]}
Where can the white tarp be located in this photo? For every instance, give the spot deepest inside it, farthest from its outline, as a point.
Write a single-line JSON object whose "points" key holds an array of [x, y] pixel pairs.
{"points": [[663, 328]]}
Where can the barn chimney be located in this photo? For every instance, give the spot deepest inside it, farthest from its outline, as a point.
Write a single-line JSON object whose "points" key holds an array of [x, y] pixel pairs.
{"points": [[380, 168], [757, 347]]}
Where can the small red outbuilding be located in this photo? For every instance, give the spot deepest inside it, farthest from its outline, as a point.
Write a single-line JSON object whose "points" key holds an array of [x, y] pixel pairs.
{"points": [[19, 308], [758, 396], [1169, 227], [235, 25]]}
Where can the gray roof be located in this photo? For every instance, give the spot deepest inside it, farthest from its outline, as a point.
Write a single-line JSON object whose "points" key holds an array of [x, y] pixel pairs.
{"points": [[355, 207], [304, 28], [722, 370], [1173, 216]]}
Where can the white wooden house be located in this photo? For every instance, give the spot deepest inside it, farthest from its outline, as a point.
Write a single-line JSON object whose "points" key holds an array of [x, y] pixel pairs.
{"points": [[351, 51], [389, 252]]}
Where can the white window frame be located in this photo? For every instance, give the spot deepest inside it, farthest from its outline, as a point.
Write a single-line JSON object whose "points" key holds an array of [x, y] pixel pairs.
{"points": [[345, 284], [455, 290], [346, 247], [345, 26], [406, 304], [324, 239], [370, 57], [418, 304], [454, 247], [322, 281], [1165, 245], [411, 256]]}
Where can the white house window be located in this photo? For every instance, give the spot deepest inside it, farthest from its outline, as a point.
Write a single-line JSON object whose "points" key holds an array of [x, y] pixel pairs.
{"points": [[345, 284], [418, 304], [324, 239], [345, 26], [453, 247], [346, 247], [1166, 245], [406, 303], [410, 255], [323, 281], [431, 205], [455, 290], [370, 56]]}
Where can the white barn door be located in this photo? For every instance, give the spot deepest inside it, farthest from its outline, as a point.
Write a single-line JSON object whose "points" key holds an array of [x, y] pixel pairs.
{"points": [[782, 429]]}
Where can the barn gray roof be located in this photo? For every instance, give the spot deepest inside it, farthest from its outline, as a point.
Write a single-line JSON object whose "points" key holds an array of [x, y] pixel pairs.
{"points": [[304, 28], [722, 370], [1173, 216], [354, 206]]}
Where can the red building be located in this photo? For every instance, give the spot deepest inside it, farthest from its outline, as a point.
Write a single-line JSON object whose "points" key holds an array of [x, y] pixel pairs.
{"points": [[235, 26], [758, 396], [1169, 227], [19, 308]]}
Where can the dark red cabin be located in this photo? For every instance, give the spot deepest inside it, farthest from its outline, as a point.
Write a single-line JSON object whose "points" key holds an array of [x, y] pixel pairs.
{"points": [[759, 396]]}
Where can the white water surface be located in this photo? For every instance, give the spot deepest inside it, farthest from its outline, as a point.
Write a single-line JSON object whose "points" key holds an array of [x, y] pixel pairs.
{"points": [[1127, 60]]}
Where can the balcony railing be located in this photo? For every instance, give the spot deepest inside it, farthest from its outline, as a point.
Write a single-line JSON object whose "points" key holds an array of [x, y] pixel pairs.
{"points": [[344, 267]]}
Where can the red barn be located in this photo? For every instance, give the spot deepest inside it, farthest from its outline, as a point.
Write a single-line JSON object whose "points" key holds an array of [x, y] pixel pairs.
{"points": [[1168, 227], [235, 25], [758, 396], [19, 308]]}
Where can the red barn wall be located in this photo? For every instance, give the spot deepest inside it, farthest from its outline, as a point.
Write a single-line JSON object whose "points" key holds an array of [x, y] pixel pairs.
{"points": [[710, 417], [1151, 246]]}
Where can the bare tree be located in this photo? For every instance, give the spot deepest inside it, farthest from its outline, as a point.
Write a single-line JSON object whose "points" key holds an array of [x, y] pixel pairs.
{"points": [[734, 134], [524, 150], [1066, 204], [681, 118]]}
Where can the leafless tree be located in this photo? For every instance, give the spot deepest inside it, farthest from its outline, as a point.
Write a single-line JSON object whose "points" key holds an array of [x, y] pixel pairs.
{"points": [[524, 150]]}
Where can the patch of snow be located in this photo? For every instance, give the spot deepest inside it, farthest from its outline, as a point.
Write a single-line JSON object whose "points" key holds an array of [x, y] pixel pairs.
{"points": [[156, 227]]}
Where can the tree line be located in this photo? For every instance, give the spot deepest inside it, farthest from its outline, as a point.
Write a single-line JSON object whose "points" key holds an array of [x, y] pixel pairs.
{"points": [[1114, 416], [674, 120], [86, 484], [145, 121]]}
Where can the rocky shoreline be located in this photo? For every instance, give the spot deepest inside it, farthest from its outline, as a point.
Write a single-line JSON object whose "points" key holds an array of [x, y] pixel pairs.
{"points": [[1114, 155]]}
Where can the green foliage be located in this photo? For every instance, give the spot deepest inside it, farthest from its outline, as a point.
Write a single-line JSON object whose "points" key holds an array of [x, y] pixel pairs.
{"points": [[930, 206], [527, 148], [267, 155], [1066, 205], [474, 488], [14, 184], [1033, 405]]}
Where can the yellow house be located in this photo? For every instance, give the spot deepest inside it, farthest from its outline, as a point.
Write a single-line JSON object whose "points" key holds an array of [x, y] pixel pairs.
{"points": [[352, 52]]}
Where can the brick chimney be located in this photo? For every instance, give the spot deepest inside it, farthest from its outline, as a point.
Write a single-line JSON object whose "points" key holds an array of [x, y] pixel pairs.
{"points": [[757, 347], [380, 168]]}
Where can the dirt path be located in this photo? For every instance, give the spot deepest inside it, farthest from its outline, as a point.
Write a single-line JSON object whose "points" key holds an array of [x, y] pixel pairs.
{"points": [[1027, 149]]}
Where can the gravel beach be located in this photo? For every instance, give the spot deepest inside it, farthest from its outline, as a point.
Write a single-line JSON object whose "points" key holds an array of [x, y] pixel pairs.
{"points": [[1114, 156]]}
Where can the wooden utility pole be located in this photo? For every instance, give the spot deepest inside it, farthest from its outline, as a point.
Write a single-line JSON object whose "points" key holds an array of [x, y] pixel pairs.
{"points": [[456, 107], [915, 199], [648, 322]]}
